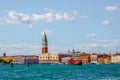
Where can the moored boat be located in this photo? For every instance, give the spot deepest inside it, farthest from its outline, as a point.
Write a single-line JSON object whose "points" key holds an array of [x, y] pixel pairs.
{"points": [[74, 62]]}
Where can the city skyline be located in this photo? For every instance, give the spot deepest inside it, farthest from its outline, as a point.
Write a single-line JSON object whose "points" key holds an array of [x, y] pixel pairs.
{"points": [[86, 26]]}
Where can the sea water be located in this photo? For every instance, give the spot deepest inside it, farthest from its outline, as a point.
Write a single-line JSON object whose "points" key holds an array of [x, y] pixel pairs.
{"points": [[60, 72]]}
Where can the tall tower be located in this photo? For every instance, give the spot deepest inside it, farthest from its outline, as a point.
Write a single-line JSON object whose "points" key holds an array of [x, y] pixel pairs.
{"points": [[44, 43]]}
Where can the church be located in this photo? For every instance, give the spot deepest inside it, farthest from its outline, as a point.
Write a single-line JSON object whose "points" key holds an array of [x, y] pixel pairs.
{"points": [[49, 58]]}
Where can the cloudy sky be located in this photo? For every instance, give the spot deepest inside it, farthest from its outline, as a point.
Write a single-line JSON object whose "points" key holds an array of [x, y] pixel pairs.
{"points": [[83, 25]]}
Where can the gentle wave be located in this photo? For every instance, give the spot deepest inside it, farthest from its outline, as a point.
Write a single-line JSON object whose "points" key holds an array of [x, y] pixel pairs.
{"points": [[60, 72]]}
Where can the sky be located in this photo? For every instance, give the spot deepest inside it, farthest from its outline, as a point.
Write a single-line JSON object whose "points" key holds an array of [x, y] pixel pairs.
{"points": [[91, 26]]}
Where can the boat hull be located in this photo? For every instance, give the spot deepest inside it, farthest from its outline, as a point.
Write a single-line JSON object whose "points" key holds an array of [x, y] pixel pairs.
{"points": [[74, 62]]}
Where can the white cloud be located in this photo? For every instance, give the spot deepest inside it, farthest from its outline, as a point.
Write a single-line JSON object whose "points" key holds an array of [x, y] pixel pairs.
{"points": [[49, 15], [83, 17], [27, 49], [102, 46], [18, 18], [76, 12], [67, 16], [19, 49], [113, 42], [49, 10], [99, 46], [91, 35], [56, 49], [103, 41], [111, 8], [106, 22], [1, 21]]}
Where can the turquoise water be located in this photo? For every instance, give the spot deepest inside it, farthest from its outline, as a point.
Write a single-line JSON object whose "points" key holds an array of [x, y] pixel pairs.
{"points": [[60, 72]]}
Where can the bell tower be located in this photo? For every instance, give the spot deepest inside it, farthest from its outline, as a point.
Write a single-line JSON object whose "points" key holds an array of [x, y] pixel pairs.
{"points": [[44, 43]]}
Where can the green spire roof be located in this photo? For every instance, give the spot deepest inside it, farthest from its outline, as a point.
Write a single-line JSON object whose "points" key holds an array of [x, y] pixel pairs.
{"points": [[44, 37]]}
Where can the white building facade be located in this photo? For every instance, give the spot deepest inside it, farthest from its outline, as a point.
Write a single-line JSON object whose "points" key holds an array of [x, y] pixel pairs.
{"points": [[115, 59]]}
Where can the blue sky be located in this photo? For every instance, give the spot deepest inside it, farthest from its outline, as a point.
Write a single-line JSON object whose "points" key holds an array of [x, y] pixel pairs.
{"points": [[85, 25]]}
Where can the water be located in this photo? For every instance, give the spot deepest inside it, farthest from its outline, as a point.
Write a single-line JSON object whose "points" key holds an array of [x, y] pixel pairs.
{"points": [[60, 72]]}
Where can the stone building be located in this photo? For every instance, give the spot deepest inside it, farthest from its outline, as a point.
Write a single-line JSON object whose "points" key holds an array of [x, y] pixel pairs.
{"points": [[84, 57], [115, 58], [94, 58], [53, 58], [100, 58], [45, 57], [104, 58], [66, 59], [23, 59], [76, 56]]}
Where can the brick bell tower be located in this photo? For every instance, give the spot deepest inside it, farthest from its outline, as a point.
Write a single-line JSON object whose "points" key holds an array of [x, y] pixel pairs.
{"points": [[44, 43]]}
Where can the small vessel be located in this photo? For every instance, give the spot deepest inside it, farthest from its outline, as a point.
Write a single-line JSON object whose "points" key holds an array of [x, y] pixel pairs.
{"points": [[74, 62], [11, 64]]}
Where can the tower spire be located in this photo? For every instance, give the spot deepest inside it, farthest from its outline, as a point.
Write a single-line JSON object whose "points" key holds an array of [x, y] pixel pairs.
{"points": [[44, 43]]}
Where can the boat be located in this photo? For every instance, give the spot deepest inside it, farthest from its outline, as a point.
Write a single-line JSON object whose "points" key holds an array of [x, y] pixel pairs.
{"points": [[11, 64], [74, 62]]}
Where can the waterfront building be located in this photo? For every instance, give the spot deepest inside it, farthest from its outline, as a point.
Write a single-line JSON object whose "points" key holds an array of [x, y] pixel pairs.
{"points": [[31, 60], [47, 58], [7, 59], [84, 57], [104, 58], [66, 59], [94, 58], [76, 56], [53, 58], [100, 58], [23, 59], [0, 57], [19, 59], [115, 58], [44, 43]]}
